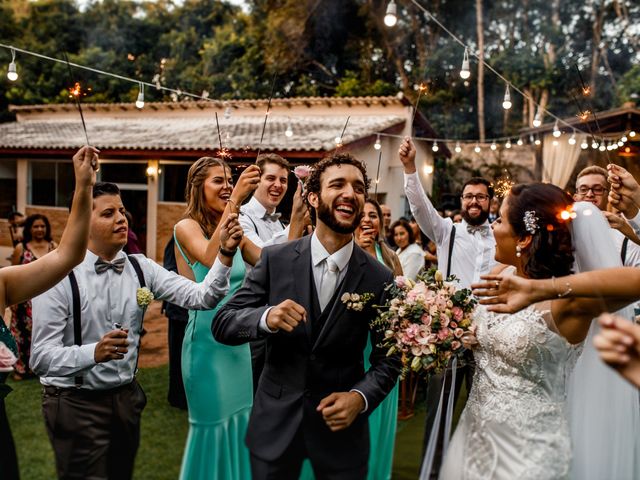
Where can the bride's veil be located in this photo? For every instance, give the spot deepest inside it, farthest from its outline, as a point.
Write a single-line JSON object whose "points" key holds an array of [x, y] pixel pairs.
{"points": [[604, 409]]}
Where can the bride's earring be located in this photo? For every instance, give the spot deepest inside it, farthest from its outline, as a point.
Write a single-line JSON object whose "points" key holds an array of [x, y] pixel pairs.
{"points": [[518, 251]]}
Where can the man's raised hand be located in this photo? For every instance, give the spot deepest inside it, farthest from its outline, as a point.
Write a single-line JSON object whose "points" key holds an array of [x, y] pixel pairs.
{"points": [[286, 316], [407, 154]]}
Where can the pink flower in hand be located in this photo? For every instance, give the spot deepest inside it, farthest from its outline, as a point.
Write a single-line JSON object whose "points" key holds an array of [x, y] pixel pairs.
{"points": [[7, 358], [302, 172], [401, 281]]}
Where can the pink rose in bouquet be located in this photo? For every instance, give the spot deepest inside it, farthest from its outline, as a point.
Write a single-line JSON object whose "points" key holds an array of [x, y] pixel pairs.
{"points": [[302, 172], [428, 321]]}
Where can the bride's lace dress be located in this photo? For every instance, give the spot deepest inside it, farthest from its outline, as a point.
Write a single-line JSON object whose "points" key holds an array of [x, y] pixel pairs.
{"points": [[514, 425]]}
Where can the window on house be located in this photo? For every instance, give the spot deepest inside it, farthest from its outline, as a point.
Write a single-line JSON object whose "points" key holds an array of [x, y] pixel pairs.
{"points": [[8, 187], [173, 179], [51, 184]]}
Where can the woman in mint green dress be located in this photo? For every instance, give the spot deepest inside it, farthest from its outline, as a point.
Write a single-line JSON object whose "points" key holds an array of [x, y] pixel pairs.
{"points": [[383, 420], [217, 378]]}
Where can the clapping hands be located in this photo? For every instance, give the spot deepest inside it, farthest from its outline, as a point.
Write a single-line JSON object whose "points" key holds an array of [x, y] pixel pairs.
{"points": [[625, 191], [619, 346]]}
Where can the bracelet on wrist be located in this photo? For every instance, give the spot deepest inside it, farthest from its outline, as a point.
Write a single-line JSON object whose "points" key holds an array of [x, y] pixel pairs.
{"points": [[555, 289], [228, 253]]}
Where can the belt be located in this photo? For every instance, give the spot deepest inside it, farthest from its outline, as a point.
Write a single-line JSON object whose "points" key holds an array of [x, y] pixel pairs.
{"points": [[85, 392]]}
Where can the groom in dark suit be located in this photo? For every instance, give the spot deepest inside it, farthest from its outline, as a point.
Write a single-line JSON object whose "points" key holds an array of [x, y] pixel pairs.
{"points": [[314, 396]]}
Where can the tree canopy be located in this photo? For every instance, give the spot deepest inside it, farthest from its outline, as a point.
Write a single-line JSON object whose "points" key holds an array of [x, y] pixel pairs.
{"points": [[331, 48]]}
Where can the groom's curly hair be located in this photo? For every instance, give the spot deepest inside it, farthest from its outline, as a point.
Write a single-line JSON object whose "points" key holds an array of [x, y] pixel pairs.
{"points": [[550, 253], [338, 158]]}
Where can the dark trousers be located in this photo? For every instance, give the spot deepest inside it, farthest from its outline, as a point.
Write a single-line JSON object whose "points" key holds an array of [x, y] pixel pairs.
{"points": [[289, 465], [176, 395], [258, 355], [8, 458], [95, 434], [434, 387]]}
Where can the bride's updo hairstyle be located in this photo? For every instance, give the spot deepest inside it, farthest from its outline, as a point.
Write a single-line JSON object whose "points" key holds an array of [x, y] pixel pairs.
{"points": [[550, 253]]}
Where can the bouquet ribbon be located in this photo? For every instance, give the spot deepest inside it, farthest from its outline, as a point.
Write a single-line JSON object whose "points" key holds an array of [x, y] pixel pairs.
{"points": [[427, 463]]}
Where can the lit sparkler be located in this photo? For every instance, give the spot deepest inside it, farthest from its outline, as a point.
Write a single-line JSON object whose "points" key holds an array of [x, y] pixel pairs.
{"points": [[421, 89], [76, 94]]}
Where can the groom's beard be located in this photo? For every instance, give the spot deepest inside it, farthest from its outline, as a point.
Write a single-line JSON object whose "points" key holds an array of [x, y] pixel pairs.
{"points": [[325, 213], [478, 220]]}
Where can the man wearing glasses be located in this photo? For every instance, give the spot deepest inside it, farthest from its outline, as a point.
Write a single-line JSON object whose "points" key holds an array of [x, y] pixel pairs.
{"points": [[592, 186], [466, 250]]}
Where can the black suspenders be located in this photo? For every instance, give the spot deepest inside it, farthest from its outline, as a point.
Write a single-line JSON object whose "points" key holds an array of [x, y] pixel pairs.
{"points": [[77, 307], [451, 241]]}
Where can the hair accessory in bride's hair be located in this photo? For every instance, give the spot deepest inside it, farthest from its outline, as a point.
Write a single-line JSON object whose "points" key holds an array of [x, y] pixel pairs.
{"points": [[531, 222]]}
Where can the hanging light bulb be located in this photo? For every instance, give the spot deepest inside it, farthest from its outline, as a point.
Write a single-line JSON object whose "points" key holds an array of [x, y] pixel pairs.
{"points": [[458, 148], [632, 133], [289, 131], [584, 145], [493, 145], [572, 139], [556, 130], [508, 144], [506, 102], [140, 100], [624, 139], [520, 142], [537, 141], [12, 73], [594, 144], [377, 145], [477, 149], [227, 113], [602, 148], [435, 147], [620, 143], [465, 72], [391, 17], [537, 120]]}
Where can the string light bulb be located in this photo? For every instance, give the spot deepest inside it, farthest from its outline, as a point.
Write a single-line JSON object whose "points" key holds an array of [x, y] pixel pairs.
{"points": [[477, 148], [435, 147], [537, 120], [537, 141], [620, 143], [506, 102], [465, 71], [289, 131], [572, 139], [494, 146], [632, 133], [508, 144], [12, 73], [140, 99], [377, 145], [391, 16], [556, 130], [520, 142], [458, 148], [624, 139], [602, 148], [584, 145], [594, 144]]}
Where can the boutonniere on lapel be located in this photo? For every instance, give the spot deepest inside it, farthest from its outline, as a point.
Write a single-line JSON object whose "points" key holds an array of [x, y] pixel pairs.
{"points": [[144, 296], [356, 301]]}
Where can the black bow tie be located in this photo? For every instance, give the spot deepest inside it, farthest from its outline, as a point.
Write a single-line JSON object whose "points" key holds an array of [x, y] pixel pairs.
{"points": [[482, 229], [117, 265], [274, 217]]}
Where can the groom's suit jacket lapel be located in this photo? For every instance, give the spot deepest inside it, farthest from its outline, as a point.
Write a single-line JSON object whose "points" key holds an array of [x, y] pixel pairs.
{"points": [[307, 293], [336, 308]]}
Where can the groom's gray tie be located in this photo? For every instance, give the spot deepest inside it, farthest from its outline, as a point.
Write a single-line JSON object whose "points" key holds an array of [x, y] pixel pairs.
{"points": [[329, 282]]}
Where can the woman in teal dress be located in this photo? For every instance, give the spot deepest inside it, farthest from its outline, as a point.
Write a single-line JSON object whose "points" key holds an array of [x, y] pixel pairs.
{"points": [[383, 420], [217, 378]]}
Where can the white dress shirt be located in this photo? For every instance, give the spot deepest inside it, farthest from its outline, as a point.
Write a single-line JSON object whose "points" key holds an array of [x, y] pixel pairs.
{"points": [[411, 259], [632, 258], [105, 299], [259, 228], [473, 253]]}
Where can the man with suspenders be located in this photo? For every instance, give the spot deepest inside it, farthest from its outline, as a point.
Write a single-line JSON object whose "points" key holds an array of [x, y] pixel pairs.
{"points": [[86, 339], [466, 250]]}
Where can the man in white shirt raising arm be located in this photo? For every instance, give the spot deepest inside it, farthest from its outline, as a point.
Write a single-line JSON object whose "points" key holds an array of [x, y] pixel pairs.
{"points": [[86, 338]]}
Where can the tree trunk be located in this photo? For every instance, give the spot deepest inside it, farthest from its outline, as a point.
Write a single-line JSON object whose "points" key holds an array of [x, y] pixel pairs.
{"points": [[598, 22], [480, 33]]}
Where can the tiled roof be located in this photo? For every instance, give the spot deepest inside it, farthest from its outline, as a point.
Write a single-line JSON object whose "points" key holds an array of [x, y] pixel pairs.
{"points": [[313, 133]]}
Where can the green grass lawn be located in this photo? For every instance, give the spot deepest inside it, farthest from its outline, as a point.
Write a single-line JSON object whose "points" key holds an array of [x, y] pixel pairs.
{"points": [[164, 431]]}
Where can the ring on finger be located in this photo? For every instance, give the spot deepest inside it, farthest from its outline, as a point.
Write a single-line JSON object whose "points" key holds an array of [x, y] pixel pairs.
{"points": [[497, 283], [115, 348]]}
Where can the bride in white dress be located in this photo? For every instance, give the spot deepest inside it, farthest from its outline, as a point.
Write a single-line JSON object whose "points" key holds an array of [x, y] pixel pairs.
{"points": [[515, 424]]}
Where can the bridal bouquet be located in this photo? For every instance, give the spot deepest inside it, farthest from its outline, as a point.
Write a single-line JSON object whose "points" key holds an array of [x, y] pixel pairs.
{"points": [[427, 321]]}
